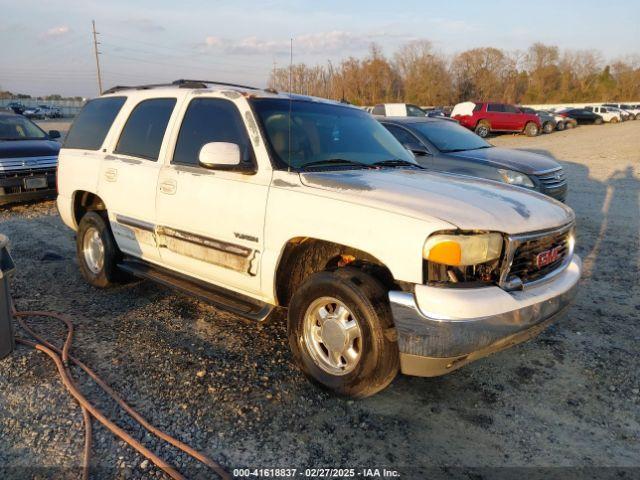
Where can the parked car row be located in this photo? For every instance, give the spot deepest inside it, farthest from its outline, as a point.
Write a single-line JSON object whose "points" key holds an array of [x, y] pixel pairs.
{"points": [[39, 112]]}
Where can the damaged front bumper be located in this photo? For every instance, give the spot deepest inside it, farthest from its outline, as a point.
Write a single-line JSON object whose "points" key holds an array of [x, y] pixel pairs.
{"points": [[442, 329]]}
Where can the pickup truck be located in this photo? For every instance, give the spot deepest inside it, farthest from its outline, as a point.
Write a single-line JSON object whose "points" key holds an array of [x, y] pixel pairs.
{"points": [[255, 200]]}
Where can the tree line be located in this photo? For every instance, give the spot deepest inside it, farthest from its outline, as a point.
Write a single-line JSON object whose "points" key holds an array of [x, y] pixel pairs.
{"points": [[419, 74]]}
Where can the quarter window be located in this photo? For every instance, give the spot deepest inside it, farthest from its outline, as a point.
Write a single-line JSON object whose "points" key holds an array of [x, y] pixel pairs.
{"points": [[93, 123], [404, 137], [210, 120]]}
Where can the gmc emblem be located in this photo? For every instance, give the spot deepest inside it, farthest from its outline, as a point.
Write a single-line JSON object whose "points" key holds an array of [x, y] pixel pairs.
{"points": [[547, 257]]}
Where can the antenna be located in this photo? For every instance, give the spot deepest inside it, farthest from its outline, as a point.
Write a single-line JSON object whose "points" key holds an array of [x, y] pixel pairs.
{"points": [[290, 99], [95, 50]]}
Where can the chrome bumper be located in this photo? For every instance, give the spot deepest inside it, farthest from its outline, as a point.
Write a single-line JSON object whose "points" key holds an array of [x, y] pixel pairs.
{"points": [[441, 329]]}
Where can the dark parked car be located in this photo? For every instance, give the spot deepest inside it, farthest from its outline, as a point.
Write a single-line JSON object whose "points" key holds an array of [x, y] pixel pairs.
{"points": [[444, 145], [17, 107], [28, 159], [547, 120], [581, 115]]}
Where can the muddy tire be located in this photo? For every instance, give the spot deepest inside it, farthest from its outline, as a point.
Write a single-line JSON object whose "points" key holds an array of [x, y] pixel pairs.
{"points": [[97, 252], [560, 126], [531, 130], [598, 121], [483, 129], [614, 120], [341, 332], [570, 125], [548, 127]]}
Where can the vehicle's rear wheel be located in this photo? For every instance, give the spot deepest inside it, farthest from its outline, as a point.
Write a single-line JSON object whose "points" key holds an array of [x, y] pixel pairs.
{"points": [[570, 125], [548, 127], [598, 121], [560, 126], [531, 129], [341, 332], [97, 252], [483, 129], [614, 120]]}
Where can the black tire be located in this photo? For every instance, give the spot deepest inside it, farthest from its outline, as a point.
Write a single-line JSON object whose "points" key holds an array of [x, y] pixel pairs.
{"points": [[531, 130], [483, 129], [108, 274], [368, 302], [560, 126], [548, 127]]}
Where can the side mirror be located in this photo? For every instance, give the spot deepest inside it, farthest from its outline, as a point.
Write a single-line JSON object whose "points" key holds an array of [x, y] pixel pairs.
{"points": [[221, 156], [417, 149], [53, 134]]}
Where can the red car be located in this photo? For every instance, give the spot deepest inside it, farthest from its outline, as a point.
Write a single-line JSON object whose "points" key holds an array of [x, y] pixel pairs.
{"points": [[486, 117]]}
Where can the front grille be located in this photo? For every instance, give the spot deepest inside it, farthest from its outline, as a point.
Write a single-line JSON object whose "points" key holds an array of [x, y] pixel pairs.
{"points": [[525, 250], [553, 183]]}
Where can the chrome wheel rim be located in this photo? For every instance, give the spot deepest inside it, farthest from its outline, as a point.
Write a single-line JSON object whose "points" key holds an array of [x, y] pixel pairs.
{"points": [[93, 250], [333, 336]]}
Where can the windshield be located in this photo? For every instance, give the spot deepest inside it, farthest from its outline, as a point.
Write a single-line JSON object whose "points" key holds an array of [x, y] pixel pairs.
{"points": [[19, 128], [320, 132], [448, 136]]}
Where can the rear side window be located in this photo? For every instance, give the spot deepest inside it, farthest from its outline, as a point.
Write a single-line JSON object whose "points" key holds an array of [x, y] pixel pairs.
{"points": [[404, 137], [478, 107], [143, 133], [495, 107], [93, 122], [210, 120], [378, 110], [510, 109]]}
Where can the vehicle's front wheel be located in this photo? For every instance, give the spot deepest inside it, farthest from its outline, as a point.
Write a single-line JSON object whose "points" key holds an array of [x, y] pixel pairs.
{"points": [[341, 332], [483, 128], [531, 129], [598, 121], [560, 126], [97, 252], [614, 120], [570, 125]]}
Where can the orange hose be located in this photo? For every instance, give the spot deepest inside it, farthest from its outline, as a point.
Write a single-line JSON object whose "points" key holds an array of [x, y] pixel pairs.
{"points": [[61, 358]]}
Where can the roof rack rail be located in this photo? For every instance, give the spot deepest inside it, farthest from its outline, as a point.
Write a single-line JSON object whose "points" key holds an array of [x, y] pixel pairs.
{"points": [[182, 83]]}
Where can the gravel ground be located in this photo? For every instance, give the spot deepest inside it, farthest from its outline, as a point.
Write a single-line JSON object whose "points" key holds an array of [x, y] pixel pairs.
{"points": [[569, 398]]}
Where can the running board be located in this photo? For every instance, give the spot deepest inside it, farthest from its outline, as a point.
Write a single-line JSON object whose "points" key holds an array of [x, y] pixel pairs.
{"points": [[220, 297]]}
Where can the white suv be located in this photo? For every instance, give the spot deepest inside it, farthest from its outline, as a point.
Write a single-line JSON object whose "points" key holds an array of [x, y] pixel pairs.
{"points": [[608, 114], [252, 199]]}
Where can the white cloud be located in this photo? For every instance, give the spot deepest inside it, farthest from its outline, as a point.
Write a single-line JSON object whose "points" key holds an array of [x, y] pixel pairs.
{"points": [[57, 31]]}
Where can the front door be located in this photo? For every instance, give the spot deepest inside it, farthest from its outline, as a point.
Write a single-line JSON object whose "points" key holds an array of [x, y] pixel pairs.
{"points": [[210, 222]]}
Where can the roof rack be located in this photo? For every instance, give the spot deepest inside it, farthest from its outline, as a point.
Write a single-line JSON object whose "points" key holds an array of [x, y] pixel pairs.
{"points": [[182, 83]]}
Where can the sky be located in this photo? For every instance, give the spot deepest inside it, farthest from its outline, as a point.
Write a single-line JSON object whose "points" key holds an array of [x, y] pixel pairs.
{"points": [[46, 45]]}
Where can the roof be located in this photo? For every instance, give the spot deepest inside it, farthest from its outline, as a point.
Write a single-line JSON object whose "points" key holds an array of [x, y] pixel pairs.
{"points": [[215, 86]]}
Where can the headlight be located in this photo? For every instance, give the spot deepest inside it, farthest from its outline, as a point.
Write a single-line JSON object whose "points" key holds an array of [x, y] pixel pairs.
{"points": [[515, 178], [462, 250]]}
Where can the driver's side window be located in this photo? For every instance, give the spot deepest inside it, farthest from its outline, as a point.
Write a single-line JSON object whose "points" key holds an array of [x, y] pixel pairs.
{"points": [[210, 120]]}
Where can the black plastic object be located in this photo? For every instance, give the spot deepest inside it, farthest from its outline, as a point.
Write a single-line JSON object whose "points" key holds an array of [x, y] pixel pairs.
{"points": [[7, 266]]}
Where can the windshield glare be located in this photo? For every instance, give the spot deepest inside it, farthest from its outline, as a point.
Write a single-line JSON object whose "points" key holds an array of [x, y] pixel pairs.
{"points": [[447, 136], [19, 128], [323, 132]]}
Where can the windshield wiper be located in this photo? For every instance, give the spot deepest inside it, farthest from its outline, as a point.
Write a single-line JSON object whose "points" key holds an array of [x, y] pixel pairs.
{"points": [[396, 162], [335, 161], [453, 150]]}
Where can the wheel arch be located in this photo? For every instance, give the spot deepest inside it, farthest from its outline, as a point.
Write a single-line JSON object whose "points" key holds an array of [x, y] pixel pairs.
{"points": [[303, 256], [85, 201]]}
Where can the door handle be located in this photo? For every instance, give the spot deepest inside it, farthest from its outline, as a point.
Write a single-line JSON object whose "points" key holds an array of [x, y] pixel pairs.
{"points": [[168, 187], [111, 174]]}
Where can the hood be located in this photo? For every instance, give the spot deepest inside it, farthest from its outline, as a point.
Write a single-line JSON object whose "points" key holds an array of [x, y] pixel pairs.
{"points": [[467, 203], [28, 148], [523, 161]]}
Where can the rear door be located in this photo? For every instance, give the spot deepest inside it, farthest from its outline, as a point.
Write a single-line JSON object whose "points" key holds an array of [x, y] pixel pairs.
{"points": [[514, 118], [211, 222], [496, 116], [129, 175]]}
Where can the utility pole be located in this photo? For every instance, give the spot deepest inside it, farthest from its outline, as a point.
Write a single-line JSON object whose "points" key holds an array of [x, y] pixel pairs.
{"points": [[95, 50]]}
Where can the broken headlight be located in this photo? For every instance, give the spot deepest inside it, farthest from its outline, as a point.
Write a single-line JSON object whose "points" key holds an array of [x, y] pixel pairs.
{"points": [[451, 258]]}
